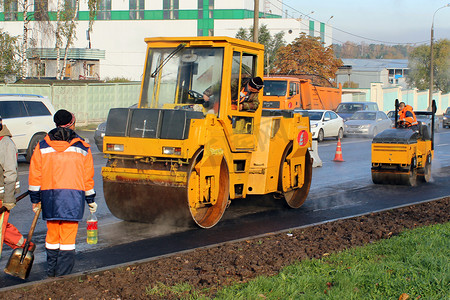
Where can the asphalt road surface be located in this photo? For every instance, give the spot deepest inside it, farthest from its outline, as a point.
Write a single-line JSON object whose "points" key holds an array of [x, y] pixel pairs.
{"points": [[338, 190]]}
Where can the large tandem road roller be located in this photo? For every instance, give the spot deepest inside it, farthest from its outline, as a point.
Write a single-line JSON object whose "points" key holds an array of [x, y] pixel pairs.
{"points": [[401, 155], [188, 149]]}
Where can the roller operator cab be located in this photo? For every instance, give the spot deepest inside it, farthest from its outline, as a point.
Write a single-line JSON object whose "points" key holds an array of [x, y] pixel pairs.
{"points": [[401, 155], [189, 148]]}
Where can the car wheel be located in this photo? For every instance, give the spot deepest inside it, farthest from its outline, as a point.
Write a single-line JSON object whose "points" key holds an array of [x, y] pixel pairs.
{"points": [[340, 134], [320, 136], [34, 141]]}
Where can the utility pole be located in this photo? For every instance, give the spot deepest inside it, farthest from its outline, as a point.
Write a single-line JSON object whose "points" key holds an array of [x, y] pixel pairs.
{"points": [[256, 22], [430, 92]]}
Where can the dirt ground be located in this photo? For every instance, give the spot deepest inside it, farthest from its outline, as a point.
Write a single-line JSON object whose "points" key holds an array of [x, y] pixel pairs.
{"points": [[210, 269]]}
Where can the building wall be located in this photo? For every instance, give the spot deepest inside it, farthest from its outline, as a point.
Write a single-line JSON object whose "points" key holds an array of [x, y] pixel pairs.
{"points": [[123, 39]]}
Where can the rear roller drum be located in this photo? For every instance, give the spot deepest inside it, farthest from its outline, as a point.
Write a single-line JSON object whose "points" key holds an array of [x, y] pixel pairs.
{"points": [[296, 197], [207, 215], [426, 176]]}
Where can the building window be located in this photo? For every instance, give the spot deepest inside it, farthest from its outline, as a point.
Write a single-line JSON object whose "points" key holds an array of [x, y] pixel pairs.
{"points": [[41, 10], [104, 10], [170, 9], [137, 8], [10, 10]]}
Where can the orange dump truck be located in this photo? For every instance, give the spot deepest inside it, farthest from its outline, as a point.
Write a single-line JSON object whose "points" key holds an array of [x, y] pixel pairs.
{"points": [[292, 92]]}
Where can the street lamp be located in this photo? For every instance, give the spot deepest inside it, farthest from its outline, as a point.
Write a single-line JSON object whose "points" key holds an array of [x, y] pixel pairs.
{"points": [[430, 92], [330, 19], [309, 14]]}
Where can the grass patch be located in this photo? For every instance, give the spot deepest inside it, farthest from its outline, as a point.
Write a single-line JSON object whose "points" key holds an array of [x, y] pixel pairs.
{"points": [[416, 263], [180, 291]]}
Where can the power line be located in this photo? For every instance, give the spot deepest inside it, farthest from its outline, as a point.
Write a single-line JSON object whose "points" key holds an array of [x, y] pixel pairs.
{"points": [[352, 34]]}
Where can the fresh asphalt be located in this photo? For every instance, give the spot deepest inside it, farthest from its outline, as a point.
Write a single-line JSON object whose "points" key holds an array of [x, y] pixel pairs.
{"points": [[338, 190]]}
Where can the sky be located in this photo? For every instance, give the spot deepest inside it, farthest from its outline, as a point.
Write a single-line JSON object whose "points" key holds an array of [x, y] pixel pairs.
{"points": [[376, 21]]}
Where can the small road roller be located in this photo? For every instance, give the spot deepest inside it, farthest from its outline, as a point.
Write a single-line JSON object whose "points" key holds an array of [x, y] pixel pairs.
{"points": [[189, 148], [401, 155]]}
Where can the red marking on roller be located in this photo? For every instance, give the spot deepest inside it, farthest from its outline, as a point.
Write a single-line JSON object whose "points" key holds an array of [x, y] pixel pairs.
{"points": [[302, 138], [289, 105]]}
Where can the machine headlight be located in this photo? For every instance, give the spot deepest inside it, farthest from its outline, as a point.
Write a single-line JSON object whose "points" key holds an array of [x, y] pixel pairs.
{"points": [[114, 147], [171, 150]]}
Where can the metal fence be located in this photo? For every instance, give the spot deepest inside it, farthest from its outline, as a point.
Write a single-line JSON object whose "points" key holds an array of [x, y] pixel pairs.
{"points": [[89, 102]]}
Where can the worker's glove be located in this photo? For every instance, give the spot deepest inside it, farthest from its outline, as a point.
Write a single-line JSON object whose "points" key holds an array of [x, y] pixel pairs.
{"points": [[9, 206], [92, 207], [35, 207]]}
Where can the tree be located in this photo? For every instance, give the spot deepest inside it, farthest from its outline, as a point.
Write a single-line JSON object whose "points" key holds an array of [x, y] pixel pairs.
{"points": [[307, 55], [271, 43], [419, 66], [10, 64]]}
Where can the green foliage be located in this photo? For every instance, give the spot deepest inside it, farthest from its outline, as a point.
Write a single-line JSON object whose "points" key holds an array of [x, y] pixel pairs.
{"points": [[271, 43], [10, 65], [180, 291], [307, 55], [415, 263], [371, 51], [419, 65]]}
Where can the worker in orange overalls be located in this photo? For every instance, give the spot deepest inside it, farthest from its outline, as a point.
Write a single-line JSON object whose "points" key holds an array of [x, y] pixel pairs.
{"points": [[248, 96], [407, 116], [9, 185], [62, 179]]}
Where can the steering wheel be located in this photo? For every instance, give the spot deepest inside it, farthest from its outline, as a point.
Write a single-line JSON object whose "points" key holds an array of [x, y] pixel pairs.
{"points": [[403, 124], [198, 98]]}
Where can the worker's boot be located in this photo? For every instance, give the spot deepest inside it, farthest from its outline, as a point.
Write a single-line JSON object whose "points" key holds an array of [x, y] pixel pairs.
{"points": [[66, 261], [52, 261]]}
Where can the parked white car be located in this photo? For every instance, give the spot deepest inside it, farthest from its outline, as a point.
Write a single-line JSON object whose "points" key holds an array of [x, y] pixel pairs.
{"points": [[325, 123], [28, 117]]}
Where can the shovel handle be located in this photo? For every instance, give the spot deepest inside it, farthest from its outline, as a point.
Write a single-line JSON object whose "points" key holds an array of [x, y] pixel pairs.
{"points": [[20, 197], [30, 234]]}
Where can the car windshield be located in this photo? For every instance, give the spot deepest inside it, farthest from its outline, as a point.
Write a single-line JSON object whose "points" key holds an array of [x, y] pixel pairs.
{"points": [[448, 111], [423, 117], [315, 115], [196, 69], [362, 115], [349, 107], [391, 114], [275, 88]]}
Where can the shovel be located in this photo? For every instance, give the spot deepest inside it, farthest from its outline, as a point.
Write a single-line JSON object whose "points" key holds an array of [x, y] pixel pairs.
{"points": [[21, 260], [4, 219]]}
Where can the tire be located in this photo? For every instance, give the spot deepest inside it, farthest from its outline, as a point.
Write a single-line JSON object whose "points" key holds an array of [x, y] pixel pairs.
{"points": [[33, 143], [320, 136], [340, 134]]}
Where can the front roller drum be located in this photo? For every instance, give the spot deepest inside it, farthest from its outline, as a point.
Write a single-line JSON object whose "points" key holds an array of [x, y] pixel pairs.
{"points": [[398, 178], [166, 203], [147, 202]]}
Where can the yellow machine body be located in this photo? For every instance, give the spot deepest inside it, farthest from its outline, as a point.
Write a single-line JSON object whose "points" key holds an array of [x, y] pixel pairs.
{"points": [[401, 155], [173, 159]]}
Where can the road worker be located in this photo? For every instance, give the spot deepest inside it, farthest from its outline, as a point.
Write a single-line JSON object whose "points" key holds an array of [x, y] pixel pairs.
{"points": [[61, 179], [9, 185], [248, 97], [407, 116]]}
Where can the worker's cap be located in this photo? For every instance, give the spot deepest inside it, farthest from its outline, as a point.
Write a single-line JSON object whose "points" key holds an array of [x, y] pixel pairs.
{"points": [[256, 83], [64, 118]]}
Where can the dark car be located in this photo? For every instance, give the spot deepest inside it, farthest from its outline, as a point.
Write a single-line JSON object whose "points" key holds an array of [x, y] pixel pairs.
{"points": [[100, 133], [446, 118], [346, 109]]}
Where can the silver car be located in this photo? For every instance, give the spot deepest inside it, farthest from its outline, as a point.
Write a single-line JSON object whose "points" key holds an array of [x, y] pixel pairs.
{"points": [[367, 123]]}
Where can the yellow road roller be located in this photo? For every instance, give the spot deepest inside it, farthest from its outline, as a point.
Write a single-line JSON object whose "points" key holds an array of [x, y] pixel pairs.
{"points": [[401, 155], [189, 148]]}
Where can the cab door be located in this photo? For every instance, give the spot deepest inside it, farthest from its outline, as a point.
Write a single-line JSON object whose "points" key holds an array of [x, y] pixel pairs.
{"points": [[242, 129]]}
